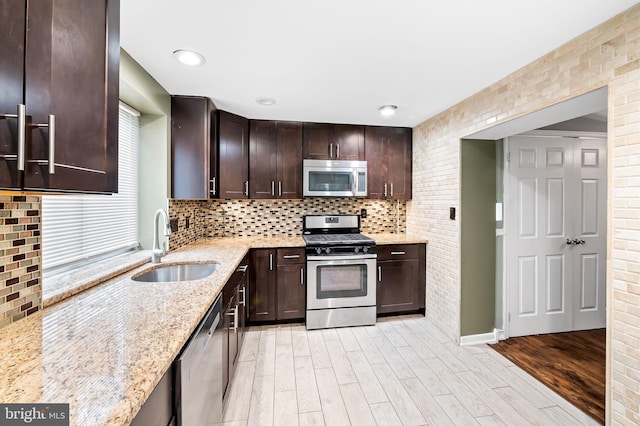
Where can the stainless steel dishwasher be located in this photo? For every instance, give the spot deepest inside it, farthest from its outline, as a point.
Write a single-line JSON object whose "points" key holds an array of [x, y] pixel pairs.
{"points": [[199, 389]]}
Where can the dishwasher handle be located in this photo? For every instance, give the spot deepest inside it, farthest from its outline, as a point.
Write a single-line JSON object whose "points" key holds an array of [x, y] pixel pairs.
{"points": [[212, 329]]}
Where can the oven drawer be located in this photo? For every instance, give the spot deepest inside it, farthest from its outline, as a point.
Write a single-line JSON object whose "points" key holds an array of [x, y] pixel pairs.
{"points": [[399, 251], [290, 255]]}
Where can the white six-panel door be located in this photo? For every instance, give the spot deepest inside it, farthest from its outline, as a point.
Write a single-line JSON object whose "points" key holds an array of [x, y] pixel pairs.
{"points": [[556, 241]]}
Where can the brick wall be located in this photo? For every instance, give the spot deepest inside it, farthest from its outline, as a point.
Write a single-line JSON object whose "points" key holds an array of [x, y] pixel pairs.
{"points": [[608, 55], [21, 288]]}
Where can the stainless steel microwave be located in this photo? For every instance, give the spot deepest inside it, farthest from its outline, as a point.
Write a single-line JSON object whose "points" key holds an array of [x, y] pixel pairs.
{"points": [[334, 178]]}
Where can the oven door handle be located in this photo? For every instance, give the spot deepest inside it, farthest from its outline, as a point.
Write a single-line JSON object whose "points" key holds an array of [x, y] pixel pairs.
{"points": [[339, 258]]}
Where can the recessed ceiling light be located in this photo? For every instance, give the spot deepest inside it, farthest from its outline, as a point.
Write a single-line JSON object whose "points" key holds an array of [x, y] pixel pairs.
{"points": [[265, 101], [387, 110], [189, 57]]}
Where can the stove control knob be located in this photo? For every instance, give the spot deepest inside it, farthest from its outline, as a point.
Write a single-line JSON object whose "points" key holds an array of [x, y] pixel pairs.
{"points": [[327, 250], [365, 249], [318, 250], [356, 249]]}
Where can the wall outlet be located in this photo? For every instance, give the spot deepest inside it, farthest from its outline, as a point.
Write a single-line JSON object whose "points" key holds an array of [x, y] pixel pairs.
{"points": [[363, 213], [187, 222], [452, 213], [174, 224]]}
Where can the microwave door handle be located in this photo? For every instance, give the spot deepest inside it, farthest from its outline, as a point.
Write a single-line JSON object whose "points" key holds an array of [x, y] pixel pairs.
{"points": [[354, 186]]}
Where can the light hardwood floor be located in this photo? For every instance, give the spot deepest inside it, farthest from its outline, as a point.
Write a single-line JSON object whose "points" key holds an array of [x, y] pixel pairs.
{"points": [[403, 371]]}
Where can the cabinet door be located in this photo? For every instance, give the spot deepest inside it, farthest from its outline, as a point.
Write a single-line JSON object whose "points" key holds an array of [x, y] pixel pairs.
{"points": [[242, 308], [191, 150], [233, 169], [291, 291], [289, 176], [317, 141], [230, 344], [375, 142], [12, 33], [158, 408], [234, 336], [263, 156], [397, 288], [399, 163], [262, 289], [72, 64], [348, 142]]}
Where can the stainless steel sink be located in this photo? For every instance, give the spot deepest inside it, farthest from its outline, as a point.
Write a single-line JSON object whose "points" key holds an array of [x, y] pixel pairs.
{"points": [[182, 272]]}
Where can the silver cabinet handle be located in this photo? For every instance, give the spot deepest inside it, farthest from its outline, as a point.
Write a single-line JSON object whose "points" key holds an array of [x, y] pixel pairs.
{"points": [[301, 276], [234, 314], [337, 150], [391, 186], [398, 253], [243, 302], [235, 319], [271, 262], [380, 273], [52, 144], [330, 150], [21, 116], [246, 188], [385, 189], [51, 124], [280, 188], [273, 188], [212, 186], [242, 268], [291, 256]]}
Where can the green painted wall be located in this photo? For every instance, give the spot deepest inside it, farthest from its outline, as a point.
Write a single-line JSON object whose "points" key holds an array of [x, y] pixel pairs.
{"points": [[478, 236], [140, 91]]}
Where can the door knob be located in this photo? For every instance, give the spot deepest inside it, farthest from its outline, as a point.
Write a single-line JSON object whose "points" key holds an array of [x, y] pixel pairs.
{"points": [[575, 241]]}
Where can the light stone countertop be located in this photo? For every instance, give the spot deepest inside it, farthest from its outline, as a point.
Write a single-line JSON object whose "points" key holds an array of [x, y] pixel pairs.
{"points": [[384, 239], [104, 350]]}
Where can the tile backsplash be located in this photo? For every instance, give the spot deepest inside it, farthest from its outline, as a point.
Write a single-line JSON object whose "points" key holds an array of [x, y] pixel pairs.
{"points": [[244, 218], [21, 288]]}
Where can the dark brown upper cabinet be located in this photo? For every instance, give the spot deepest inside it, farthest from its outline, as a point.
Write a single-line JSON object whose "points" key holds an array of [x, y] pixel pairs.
{"points": [[194, 167], [323, 141], [65, 137], [233, 144], [275, 159], [388, 155]]}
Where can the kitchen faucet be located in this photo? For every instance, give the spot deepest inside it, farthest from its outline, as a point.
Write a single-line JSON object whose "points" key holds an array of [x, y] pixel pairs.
{"points": [[156, 252]]}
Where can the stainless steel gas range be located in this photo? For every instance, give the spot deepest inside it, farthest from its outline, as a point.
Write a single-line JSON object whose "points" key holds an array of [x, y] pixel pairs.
{"points": [[341, 272]]}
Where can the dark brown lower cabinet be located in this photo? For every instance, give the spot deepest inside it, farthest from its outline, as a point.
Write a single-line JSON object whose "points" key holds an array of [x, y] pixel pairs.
{"points": [[158, 409], [291, 284], [277, 284], [262, 288], [234, 321], [401, 278]]}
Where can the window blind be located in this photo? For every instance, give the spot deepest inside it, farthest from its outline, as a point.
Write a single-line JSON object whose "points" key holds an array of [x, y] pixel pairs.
{"points": [[80, 228]]}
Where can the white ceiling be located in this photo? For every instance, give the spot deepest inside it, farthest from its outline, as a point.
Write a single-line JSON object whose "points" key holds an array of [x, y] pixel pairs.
{"points": [[339, 60]]}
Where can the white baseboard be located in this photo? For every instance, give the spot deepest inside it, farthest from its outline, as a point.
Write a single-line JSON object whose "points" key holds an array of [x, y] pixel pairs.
{"points": [[480, 339]]}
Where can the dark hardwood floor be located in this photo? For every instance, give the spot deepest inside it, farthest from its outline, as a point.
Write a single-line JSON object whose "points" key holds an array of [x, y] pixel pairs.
{"points": [[572, 364]]}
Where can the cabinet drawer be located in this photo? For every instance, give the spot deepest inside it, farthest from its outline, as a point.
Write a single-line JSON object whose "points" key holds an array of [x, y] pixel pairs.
{"points": [[290, 255], [399, 251]]}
